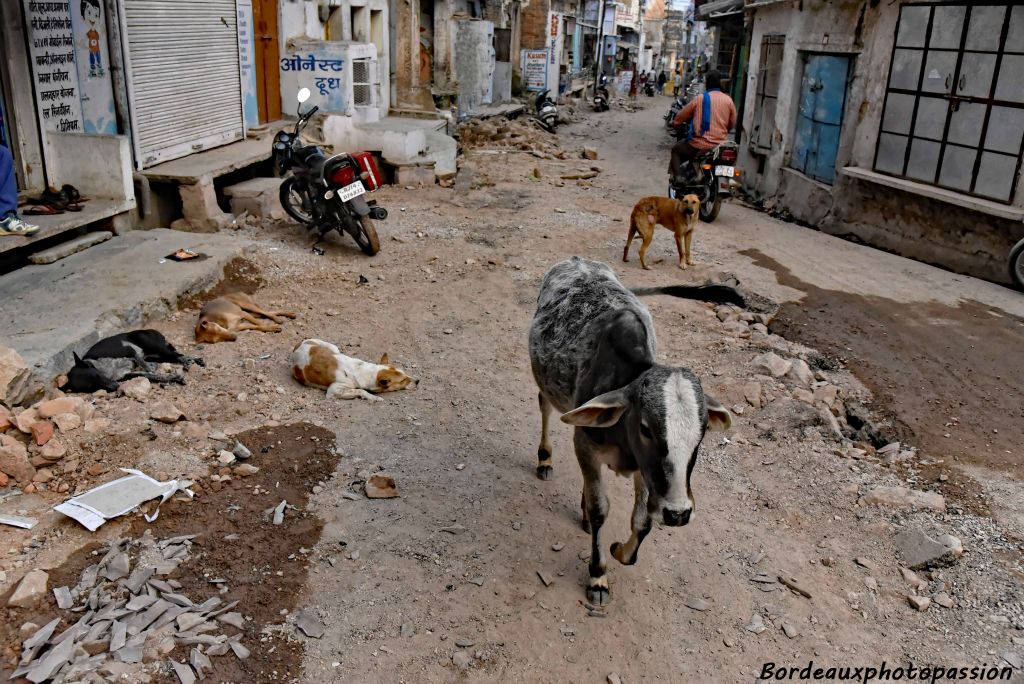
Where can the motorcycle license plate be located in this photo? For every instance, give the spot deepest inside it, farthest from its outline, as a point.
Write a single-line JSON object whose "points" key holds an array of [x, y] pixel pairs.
{"points": [[350, 192], [727, 171]]}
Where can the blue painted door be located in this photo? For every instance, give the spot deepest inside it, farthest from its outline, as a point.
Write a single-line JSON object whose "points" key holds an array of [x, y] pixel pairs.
{"points": [[820, 117]]}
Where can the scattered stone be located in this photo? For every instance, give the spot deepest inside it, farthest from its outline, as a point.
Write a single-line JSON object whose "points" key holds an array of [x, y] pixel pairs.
{"points": [[477, 580], [545, 578], [752, 392], [921, 551], [697, 604], [14, 461], [558, 546], [1015, 660], [729, 643], [901, 497], [756, 624], [184, 672], [245, 470], [590, 153], [14, 377], [806, 396], [165, 412], [921, 603], [866, 563], [465, 643], [136, 388], [42, 431], [63, 597], [613, 678], [30, 590], [219, 436], [944, 600], [54, 450], [309, 625], [800, 373], [381, 486], [241, 452], [454, 529], [772, 364], [117, 567], [912, 579], [240, 651], [279, 513], [55, 407], [790, 630], [225, 458], [43, 475], [406, 630], [462, 659]]}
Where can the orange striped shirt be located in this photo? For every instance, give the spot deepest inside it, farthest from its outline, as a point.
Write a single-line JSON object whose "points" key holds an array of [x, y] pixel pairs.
{"points": [[723, 119]]}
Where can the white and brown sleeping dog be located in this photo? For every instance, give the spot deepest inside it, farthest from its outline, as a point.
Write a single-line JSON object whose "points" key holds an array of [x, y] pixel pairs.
{"points": [[320, 364]]}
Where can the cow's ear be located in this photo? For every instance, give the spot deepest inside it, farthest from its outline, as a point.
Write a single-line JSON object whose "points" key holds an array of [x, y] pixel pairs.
{"points": [[719, 417], [600, 412]]}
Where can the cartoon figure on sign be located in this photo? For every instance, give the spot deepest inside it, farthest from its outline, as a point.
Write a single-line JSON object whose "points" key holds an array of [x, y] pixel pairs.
{"points": [[91, 14]]}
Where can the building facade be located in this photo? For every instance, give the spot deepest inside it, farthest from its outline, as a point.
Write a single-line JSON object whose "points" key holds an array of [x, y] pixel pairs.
{"points": [[900, 124]]}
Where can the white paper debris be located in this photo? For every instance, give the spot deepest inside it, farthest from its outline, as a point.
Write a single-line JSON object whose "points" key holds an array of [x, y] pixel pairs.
{"points": [[114, 499], [18, 521]]}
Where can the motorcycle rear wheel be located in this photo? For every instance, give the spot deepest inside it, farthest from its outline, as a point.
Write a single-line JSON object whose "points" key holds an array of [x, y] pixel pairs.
{"points": [[295, 201], [365, 235], [712, 204], [1017, 264]]}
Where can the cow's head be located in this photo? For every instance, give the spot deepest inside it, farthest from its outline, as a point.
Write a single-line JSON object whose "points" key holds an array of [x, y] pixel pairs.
{"points": [[85, 377], [660, 419]]}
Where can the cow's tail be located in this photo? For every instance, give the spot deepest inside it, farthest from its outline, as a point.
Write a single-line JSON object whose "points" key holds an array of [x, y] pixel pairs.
{"points": [[717, 294]]}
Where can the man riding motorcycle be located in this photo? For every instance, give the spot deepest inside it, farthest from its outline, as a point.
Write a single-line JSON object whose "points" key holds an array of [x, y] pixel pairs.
{"points": [[713, 115]]}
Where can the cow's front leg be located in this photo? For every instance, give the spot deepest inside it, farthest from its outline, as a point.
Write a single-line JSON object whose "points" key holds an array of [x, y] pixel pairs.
{"points": [[544, 450], [596, 508], [640, 525]]}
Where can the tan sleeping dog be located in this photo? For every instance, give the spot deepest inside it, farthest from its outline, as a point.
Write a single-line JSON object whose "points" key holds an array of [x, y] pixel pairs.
{"points": [[222, 318], [678, 215], [320, 364]]}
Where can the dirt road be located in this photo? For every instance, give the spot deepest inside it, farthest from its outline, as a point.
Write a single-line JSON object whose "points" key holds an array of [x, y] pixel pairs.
{"points": [[444, 583]]}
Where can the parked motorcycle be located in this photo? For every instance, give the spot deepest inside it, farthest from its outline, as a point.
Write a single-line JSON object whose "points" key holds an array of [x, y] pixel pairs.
{"points": [[547, 112], [327, 193], [649, 88], [711, 176], [602, 97]]}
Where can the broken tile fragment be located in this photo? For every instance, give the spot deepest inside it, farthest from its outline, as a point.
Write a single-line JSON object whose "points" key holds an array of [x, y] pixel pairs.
{"points": [[184, 672], [118, 635], [63, 597], [56, 658], [240, 651], [137, 580], [309, 625], [233, 619], [187, 621], [117, 567]]}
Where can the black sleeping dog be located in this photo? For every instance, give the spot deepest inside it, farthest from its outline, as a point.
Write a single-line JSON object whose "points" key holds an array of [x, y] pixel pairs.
{"points": [[124, 356]]}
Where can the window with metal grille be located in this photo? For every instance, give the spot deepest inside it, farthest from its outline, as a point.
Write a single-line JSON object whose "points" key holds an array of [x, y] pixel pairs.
{"points": [[954, 106], [362, 82], [767, 96]]}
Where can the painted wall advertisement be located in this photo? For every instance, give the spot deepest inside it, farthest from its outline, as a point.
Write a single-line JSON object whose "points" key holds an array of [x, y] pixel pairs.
{"points": [[69, 55], [535, 69], [319, 66]]}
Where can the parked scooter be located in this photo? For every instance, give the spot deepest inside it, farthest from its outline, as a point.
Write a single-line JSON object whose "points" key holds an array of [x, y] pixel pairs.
{"points": [[602, 97], [547, 112], [327, 193], [711, 176], [649, 89]]}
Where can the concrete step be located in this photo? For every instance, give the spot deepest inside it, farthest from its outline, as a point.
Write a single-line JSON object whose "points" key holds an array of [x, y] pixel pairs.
{"points": [[48, 311], [66, 249], [258, 196]]}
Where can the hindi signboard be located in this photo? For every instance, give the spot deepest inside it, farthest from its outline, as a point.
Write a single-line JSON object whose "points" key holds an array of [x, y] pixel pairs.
{"points": [[535, 69]]}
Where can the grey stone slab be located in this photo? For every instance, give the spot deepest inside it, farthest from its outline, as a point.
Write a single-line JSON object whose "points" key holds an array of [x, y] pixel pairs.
{"points": [[161, 586], [117, 567], [118, 635], [240, 651], [63, 597], [233, 619], [184, 672], [66, 249], [97, 630], [140, 602], [218, 649], [131, 652], [170, 616], [143, 620], [178, 599], [118, 285], [199, 662], [189, 621], [30, 647], [137, 580], [56, 658]]}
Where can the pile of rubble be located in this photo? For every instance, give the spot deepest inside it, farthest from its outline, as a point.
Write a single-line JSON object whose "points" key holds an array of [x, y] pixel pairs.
{"points": [[129, 616], [34, 440], [523, 134]]}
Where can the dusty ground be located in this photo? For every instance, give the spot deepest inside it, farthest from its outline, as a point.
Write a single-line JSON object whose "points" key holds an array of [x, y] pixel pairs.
{"points": [[449, 298]]}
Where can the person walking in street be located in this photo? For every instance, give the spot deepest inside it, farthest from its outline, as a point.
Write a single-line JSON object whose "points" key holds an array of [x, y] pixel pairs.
{"points": [[662, 77], [10, 222], [712, 114], [632, 86]]}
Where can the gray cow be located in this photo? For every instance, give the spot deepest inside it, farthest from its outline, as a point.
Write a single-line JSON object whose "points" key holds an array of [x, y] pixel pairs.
{"points": [[592, 349]]}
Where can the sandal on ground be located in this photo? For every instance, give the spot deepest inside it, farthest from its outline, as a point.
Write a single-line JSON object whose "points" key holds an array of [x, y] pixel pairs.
{"points": [[12, 225], [41, 210]]}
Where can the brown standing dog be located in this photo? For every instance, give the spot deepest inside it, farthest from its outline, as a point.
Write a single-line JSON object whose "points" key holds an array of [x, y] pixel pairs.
{"points": [[222, 318], [678, 215]]}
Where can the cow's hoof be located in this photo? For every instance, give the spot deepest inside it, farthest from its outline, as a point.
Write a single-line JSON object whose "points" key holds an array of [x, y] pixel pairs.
{"points": [[599, 595], [544, 472]]}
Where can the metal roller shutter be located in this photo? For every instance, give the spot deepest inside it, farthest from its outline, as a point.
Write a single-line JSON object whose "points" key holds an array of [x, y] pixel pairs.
{"points": [[184, 78]]}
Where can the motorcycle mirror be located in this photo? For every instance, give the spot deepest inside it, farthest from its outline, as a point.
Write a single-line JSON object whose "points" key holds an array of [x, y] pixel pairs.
{"points": [[303, 95]]}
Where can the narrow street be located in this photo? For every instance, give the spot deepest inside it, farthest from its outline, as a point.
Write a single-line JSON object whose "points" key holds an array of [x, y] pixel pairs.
{"points": [[481, 561]]}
